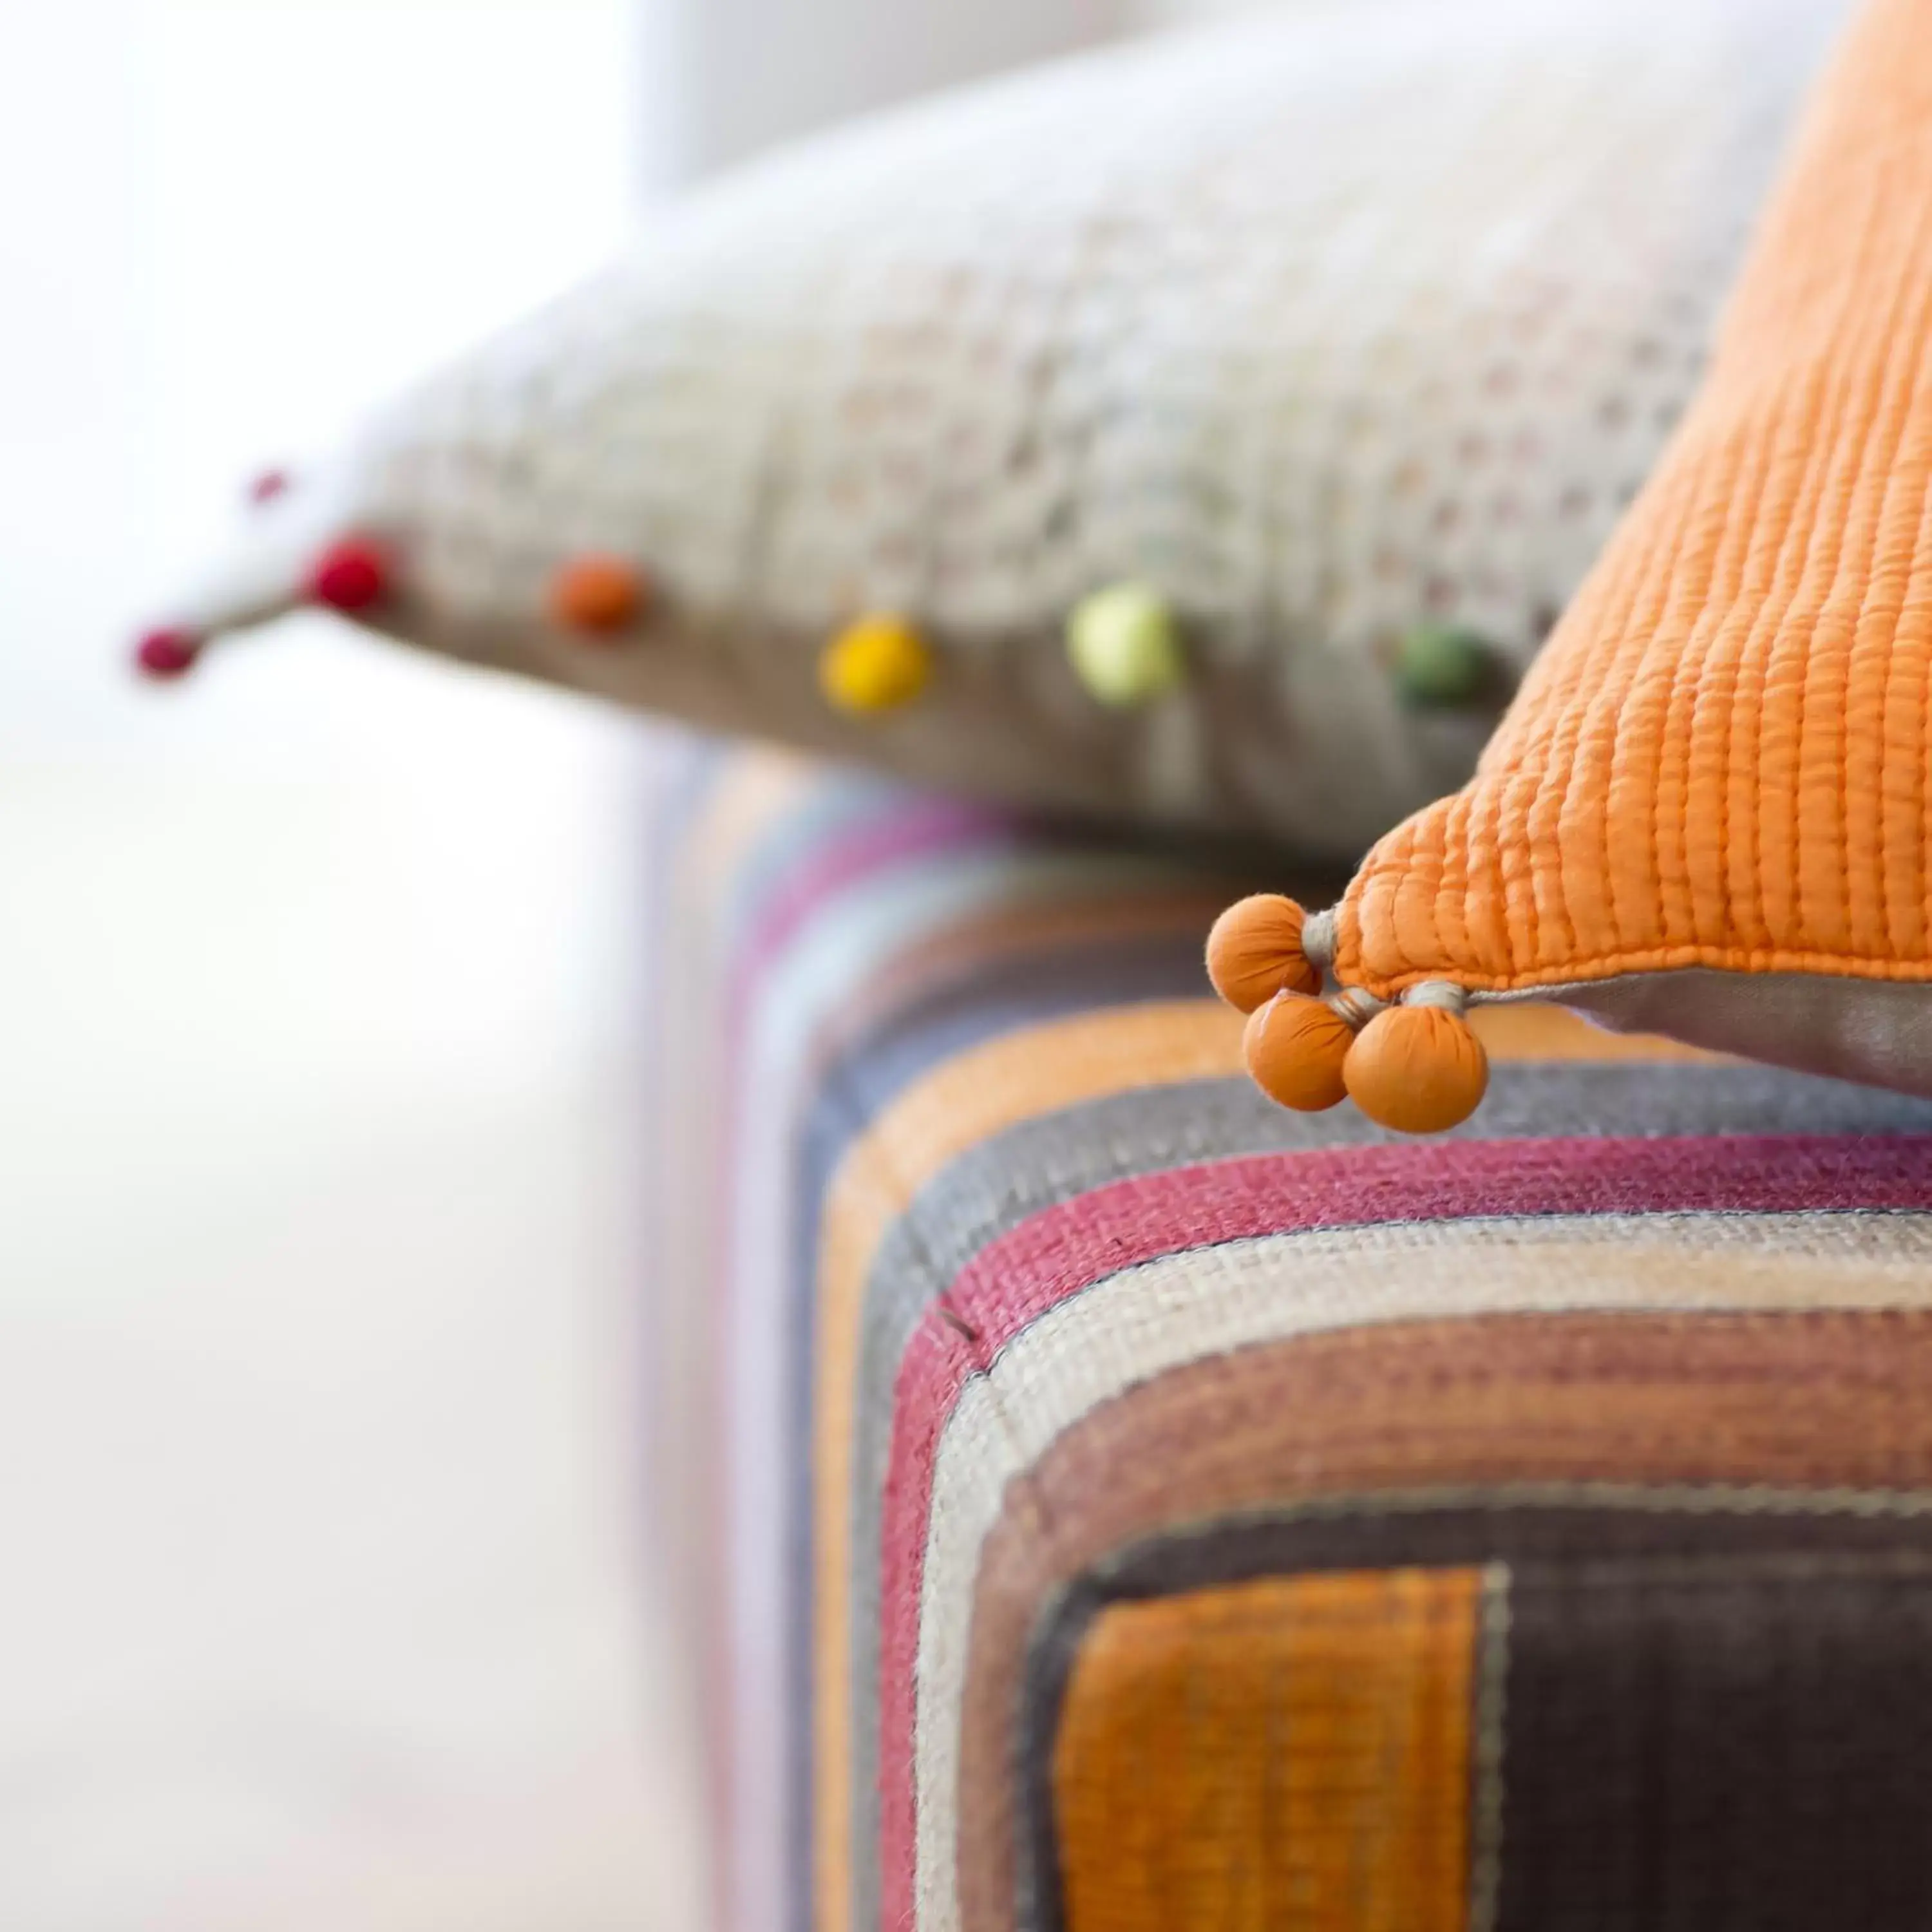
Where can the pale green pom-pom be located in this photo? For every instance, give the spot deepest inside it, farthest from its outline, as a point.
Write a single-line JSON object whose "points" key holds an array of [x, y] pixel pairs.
{"points": [[1443, 664], [1125, 645]]}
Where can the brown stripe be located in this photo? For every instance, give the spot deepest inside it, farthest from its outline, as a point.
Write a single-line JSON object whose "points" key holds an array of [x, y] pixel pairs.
{"points": [[1736, 1745], [1290, 1753], [1791, 1401]]}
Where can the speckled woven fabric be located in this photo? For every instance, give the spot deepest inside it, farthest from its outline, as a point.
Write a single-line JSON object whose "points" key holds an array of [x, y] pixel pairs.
{"points": [[1320, 325], [1110, 1504]]}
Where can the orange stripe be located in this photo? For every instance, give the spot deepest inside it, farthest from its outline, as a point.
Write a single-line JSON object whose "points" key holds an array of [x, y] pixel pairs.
{"points": [[1531, 1031], [1286, 1756], [978, 1094]]}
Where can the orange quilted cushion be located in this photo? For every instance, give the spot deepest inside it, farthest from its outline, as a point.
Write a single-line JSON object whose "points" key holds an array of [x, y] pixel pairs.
{"points": [[1707, 813]]}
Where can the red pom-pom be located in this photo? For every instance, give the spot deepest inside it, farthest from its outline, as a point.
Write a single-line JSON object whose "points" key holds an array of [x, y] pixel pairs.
{"points": [[166, 653], [352, 574]]}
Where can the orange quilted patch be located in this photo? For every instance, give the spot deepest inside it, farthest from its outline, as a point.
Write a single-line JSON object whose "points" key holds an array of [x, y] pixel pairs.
{"points": [[1720, 758], [1290, 1755]]}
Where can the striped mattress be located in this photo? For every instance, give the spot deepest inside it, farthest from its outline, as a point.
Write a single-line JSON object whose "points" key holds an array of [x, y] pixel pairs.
{"points": [[1102, 1501]]}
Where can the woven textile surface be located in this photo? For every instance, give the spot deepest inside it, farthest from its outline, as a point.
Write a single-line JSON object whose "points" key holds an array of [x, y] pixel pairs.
{"points": [[1321, 326], [1110, 1501]]}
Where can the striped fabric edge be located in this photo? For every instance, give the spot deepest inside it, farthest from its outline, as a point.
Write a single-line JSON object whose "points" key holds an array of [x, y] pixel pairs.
{"points": [[717, 819], [815, 856], [815, 910], [749, 827], [959, 1373], [1036, 962], [1001, 1134], [803, 960], [812, 978]]}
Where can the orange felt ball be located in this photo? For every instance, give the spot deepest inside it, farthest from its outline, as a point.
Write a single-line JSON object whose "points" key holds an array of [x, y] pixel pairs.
{"points": [[1418, 1069], [1254, 952], [598, 595], [1294, 1048]]}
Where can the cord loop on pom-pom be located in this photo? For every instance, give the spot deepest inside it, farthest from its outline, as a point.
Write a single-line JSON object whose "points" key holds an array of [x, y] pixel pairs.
{"points": [[1318, 940], [1356, 1005], [1445, 994], [1415, 1067]]}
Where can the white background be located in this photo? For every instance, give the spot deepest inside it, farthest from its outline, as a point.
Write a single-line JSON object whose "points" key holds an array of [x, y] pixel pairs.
{"points": [[321, 1603]]}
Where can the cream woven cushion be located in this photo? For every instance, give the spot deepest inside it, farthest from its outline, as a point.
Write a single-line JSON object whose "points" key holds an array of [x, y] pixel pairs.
{"points": [[1319, 325]]}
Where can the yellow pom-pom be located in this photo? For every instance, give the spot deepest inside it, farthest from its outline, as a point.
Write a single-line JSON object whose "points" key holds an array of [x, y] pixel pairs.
{"points": [[877, 664], [1124, 644], [1416, 1069], [1254, 952], [1294, 1048]]}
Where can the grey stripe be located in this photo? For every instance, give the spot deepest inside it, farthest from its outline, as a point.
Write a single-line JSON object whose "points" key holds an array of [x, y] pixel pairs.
{"points": [[1054, 1157]]}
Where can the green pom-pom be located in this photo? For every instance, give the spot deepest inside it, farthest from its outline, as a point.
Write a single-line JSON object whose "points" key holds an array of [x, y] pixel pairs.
{"points": [[1442, 664], [1125, 644]]}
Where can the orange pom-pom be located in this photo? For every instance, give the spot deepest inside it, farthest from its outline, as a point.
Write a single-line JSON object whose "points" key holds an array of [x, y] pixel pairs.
{"points": [[1255, 951], [1294, 1048], [1416, 1069], [597, 595]]}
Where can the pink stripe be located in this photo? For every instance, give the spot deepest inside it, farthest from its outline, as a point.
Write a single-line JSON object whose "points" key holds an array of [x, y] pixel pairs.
{"points": [[921, 827], [1056, 1254]]}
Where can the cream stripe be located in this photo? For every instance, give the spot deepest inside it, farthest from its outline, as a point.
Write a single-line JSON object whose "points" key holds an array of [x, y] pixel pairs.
{"points": [[1182, 1307]]}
